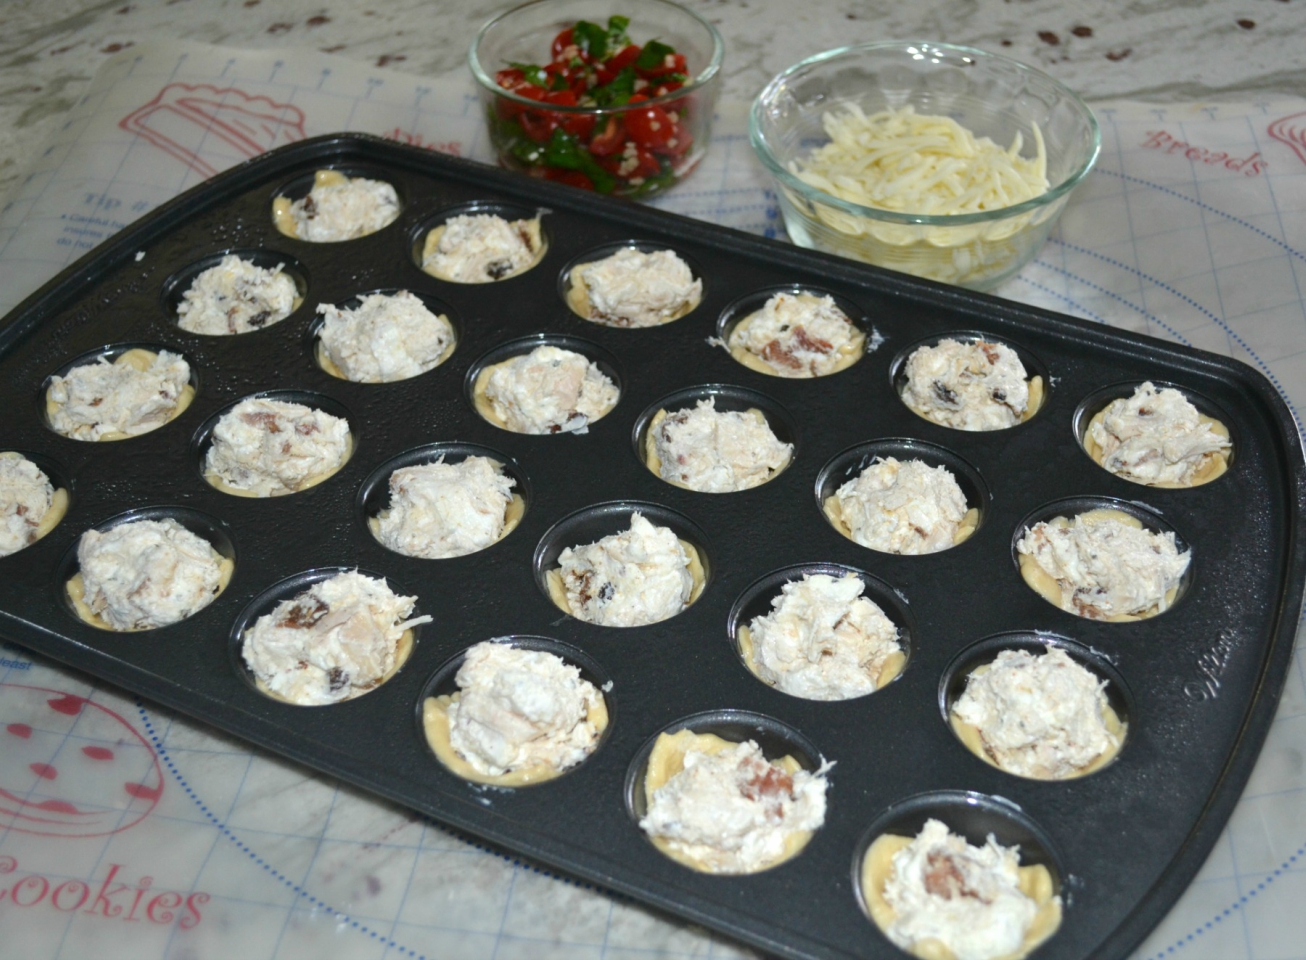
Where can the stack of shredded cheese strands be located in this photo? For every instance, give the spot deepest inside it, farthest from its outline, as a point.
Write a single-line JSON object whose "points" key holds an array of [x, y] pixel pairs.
{"points": [[905, 162]]}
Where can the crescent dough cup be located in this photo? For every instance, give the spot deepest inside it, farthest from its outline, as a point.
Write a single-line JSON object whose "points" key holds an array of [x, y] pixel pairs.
{"points": [[578, 298], [537, 243], [668, 758], [654, 462], [137, 359], [325, 362], [1035, 883], [284, 220], [970, 736], [58, 504], [893, 664], [1214, 467], [1036, 397], [849, 353], [1046, 586], [558, 591], [402, 651], [218, 483], [483, 405], [834, 513], [76, 590], [512, 515], [435, 723]]}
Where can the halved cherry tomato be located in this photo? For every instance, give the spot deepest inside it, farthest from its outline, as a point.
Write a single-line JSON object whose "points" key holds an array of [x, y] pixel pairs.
{"points": [[561, 42], [579, 124], [607, 71], [609, 140], [649, 127]]}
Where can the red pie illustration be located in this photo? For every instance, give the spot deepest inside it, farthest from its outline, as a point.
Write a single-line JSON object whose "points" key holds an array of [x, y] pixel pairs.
{"points": [[183, 115], [70, 767], [1292, 131]]}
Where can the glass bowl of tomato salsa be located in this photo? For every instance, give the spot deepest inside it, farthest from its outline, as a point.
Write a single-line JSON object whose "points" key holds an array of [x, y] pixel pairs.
{"points": [[607, 95]]}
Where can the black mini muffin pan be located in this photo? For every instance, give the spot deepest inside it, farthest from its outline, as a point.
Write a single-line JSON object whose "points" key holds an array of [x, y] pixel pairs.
{"points": [[1203, 679]]}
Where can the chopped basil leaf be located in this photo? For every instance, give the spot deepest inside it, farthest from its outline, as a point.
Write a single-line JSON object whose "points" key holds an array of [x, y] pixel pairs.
{"points": [[564, 151], [591, 38], [617, 33], [618, 92], [534, 75], [653, 55], [559, 82]]}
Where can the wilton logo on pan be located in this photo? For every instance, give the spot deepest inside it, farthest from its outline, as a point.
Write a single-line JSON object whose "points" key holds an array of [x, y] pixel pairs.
{"points": [[1211, 665]]}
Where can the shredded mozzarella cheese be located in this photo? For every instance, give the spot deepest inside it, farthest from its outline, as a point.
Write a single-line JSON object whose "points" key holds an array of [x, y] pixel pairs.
{"points": [[907, 162]]}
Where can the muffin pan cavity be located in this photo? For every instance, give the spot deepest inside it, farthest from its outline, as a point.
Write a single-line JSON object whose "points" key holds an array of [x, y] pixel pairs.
{"points": [[68, 577], [426, 236], [974, 817], [848, 465], [980, 656], [297, 188], [290, 588], [202, 442], [572, 290], [747, 306], [316, 349], [1094, 406], [374, 495], [724, 398], [175, 287], [593, 524], [1128, 511], [1037, 375], [136, 355], [443, 683], [758, 597]]}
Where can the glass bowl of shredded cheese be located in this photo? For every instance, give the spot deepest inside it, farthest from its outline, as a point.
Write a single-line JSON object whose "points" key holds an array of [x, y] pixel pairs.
{"points": [[941, 161]]}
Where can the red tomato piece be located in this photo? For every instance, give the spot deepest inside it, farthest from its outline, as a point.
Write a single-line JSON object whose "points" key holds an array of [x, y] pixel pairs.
{"points": [[609, 140], [650, 127], [561, 42], [573, 178]]}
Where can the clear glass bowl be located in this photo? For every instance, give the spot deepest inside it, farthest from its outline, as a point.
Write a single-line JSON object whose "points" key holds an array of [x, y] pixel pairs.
{"points": [[598, 148], [992, 96]]}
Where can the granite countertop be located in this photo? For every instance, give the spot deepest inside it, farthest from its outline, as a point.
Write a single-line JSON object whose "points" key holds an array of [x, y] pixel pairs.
{"points": [[1167, 50]]}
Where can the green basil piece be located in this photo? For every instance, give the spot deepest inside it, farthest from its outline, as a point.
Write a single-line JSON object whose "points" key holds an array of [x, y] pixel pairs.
{"points": [[653, 55], [618, 92], [534, 75], [591, 38]]}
